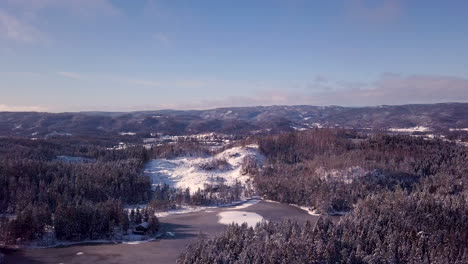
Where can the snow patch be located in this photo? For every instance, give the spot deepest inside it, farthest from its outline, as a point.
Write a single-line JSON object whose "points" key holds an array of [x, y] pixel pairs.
{"points": [[246, 204], [239, 217], [271, 201], [410, 129], [307, 209], [58, 134], [458, 129], [127, 133], [298, 128], [137, 242], [121, 146]]}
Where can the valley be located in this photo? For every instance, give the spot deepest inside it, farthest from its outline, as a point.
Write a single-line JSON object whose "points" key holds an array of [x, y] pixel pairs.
{"points": [[165, 198]]}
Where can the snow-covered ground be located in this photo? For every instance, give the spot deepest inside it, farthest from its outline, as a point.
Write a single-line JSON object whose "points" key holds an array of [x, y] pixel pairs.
{"points": [[209, 139], [458, 129], [49, 241], [299, 128], [121, 146], [346, 175], [127, 133], [239, 217], [307, 209], [317, 125], [410, 129], [188, 172], [191, 209]]}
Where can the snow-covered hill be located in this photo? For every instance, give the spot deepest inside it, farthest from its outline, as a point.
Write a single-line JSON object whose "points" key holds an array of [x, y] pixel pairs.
{"points": [[237, 121], [189, 172]]}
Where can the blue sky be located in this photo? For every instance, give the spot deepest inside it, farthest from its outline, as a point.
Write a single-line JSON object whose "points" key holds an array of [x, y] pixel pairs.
{"points": [[119, 55]]}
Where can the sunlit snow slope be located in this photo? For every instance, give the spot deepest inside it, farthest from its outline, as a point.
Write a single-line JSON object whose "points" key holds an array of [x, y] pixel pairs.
{"points": [[188, 172]]}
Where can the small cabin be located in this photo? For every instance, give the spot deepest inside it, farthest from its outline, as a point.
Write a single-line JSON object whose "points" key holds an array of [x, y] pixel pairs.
{"points": [[142, 228]]}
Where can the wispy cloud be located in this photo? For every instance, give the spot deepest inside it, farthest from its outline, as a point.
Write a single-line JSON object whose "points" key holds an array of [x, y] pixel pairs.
{"points": [[400, 89], [162, 38], [20, 19], [13, 28], [390, 89], [13, 108], [80, 7], [73, 75], [383, 11], [162, 83]]}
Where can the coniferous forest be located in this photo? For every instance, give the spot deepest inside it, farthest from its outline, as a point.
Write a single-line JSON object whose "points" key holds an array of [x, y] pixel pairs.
{"points": [[404, 200], [79, 188], [401, 199], [80, 200]]}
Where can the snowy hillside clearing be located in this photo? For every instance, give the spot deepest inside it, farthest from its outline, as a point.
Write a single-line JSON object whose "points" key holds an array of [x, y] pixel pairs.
{"points": [[195, 173]]}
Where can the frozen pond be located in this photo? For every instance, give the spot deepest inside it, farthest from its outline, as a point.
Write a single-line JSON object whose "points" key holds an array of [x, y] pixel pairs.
{"points": [[178, 231]]}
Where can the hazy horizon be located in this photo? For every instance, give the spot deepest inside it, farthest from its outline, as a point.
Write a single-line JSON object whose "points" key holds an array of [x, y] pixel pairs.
{"points": [[110, 55], [222, 107]]}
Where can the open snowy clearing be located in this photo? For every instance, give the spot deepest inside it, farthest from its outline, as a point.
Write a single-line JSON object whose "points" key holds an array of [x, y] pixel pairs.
{"points": [[239, 217], [189, 172]]}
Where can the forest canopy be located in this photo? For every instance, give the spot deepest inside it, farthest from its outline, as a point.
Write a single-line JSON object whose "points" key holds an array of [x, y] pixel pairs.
{"points": [[406, 200]]}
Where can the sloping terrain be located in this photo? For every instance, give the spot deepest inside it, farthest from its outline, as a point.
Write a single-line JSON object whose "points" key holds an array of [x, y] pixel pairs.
{"points": [[195, 172]]}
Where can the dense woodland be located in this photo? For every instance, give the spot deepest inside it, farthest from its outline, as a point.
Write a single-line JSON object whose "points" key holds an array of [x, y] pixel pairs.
{"points": [[166, 198], [408, 202], [330, 170], [44, 187], [404, 198], [79, 200]]}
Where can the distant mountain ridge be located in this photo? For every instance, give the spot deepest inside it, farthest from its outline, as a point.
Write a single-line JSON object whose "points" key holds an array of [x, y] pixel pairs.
{"points": [[236, 120]]}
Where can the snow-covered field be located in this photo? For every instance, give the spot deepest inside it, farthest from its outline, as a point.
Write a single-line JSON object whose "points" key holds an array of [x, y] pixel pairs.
{"points": [[188, 172]]}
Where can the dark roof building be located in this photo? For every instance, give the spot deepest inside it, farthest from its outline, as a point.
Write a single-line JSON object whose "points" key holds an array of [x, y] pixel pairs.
{"points": [[142, 228]]}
